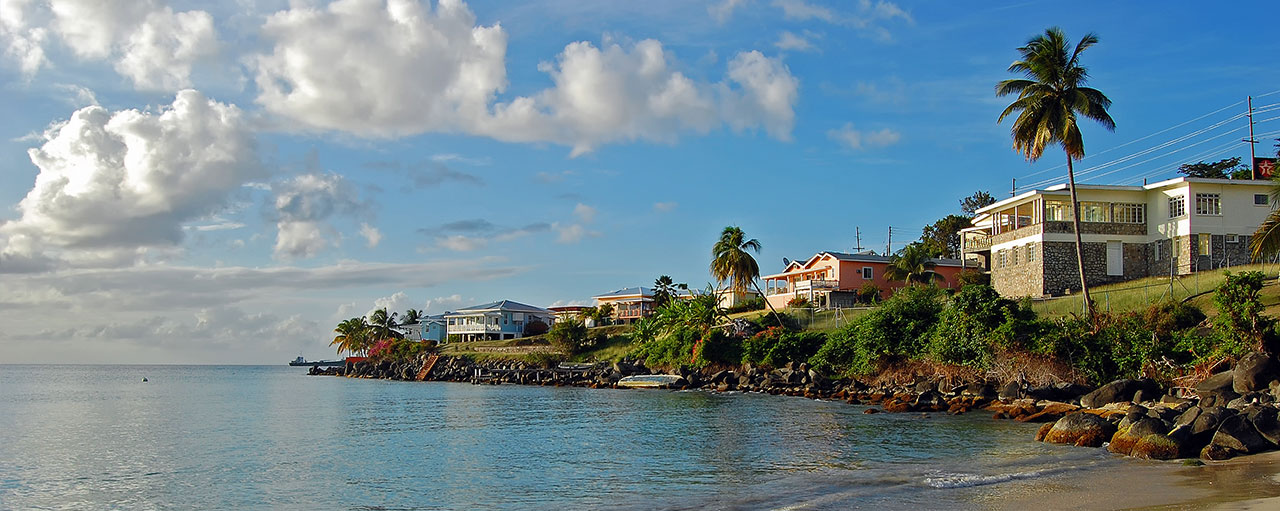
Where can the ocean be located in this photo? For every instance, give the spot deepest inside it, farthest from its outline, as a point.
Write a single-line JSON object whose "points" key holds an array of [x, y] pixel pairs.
{"points": [[270, 437]]}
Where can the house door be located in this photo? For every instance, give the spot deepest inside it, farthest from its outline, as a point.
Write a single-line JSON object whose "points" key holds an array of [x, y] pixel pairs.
{"points": [[1115, 258]]}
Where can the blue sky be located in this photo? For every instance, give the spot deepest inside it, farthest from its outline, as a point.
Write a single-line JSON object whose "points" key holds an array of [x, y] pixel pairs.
{"points": [[191, 182]]}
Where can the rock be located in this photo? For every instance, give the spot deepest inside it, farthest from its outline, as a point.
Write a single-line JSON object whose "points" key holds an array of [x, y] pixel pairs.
{"points": [[896, 406], [1254, 372], [1080, 429], [1128, 435], [930, 400], [1235, 436], [1119, 391], [870, 411], [1156, 447], [1050, 413], [1217, 390], [1011, 390], [1043, 431], [1266, 420], [925, 386], [982, 391]]}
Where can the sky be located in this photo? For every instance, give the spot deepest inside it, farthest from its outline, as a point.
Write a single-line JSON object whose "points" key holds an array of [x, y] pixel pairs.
{"points": [[223, 182]]}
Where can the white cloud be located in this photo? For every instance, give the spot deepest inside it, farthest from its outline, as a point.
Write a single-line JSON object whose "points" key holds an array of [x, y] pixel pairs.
{"points": [[78, 96], [665, 207], [572, 233], [304, 205], [788, 41], [552, 177], [585, 213], [724, 10], [404, 68], [462, 243], [113, 185], [800, 10], [856, 140], [371, 235], [441, 303], [397, 303], [867, 16], [150, 44]]}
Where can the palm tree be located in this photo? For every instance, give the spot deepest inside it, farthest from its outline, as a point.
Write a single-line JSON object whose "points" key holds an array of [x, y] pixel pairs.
{"points": [[1049, 101], [664, 288], [913, 265], [732, 263], [410, 317], [383, 324], [353, 336]]}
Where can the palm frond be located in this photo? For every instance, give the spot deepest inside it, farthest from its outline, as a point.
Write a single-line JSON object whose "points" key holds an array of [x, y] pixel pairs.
{"points": [[1266, 240]]}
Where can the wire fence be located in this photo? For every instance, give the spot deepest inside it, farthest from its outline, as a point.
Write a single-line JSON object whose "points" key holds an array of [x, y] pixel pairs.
{"points": [[1142, 293]]}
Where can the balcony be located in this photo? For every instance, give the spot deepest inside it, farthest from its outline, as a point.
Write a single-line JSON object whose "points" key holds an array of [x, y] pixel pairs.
{"points": [[804, 286], [977, 243], [475, 328]]}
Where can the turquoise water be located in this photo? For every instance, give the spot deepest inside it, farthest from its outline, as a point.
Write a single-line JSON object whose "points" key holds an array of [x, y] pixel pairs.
{"points": [[200, 437]]}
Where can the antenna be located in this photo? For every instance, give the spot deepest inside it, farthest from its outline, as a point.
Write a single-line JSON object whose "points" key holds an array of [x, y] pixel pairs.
{"points": [[888, 245], [785, 263]]}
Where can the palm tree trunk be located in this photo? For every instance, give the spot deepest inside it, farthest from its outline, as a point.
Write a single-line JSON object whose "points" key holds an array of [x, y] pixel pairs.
{"points": [[1075, 220], [766, 302]]}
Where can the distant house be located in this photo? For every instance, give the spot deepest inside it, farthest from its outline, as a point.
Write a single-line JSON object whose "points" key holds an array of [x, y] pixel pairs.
{"points": [[729, 298], [1176, 226], [428, 328], [833, 279], [629, 304], [492, 321], [564, 312]]}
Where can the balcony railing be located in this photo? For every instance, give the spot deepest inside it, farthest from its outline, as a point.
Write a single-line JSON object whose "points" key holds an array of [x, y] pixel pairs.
{"points": [[474, 328], [977, 243], [817, 285]]}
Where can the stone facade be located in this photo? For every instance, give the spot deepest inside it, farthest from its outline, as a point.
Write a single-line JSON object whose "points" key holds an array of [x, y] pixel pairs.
{"points": [[1018, 276], [1113, 228]]}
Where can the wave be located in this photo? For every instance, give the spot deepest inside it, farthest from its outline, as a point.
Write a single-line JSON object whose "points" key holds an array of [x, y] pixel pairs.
{"points": [[961, 480]]}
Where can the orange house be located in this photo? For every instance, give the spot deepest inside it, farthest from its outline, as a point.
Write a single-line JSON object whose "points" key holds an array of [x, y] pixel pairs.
{"points": [[833, 279]]}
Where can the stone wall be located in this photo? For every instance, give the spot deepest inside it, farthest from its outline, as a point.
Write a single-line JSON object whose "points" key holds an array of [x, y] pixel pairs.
{"points": [[1061, 274], [1018, 276], [1221, 254], [1113, 228]]}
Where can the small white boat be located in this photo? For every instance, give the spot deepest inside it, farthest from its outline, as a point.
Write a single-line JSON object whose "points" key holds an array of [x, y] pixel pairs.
{"points": [[650, 381]]}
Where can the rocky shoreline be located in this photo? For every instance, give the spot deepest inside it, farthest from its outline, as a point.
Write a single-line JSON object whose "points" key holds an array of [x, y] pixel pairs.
{"points": [[1232, 413]]}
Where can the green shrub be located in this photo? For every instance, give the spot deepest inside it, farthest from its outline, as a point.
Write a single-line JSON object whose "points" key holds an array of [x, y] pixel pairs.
{"points": [[686, 347], [1240, 325], [970, 329], [869, 293], [775, 346], [1170, 316], [900, 327], [569, 336], [751, 304], [798, 302], [970, 277]]}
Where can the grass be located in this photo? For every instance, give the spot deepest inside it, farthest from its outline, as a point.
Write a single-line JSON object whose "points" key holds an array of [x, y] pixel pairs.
{"points": [[820, 321], [1138, 294]]}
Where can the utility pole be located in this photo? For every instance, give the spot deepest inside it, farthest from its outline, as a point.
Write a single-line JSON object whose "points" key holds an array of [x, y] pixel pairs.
{"points": [[888, 245], [1251, 141], [1013, 190], [857, 236]]}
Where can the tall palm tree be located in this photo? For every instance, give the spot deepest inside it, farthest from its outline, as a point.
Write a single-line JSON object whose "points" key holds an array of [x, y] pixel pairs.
{"points": [[353, 336], [411, 316], [732, 263], [1049, 100], [383, 324], [913, 265], [664, 287]]}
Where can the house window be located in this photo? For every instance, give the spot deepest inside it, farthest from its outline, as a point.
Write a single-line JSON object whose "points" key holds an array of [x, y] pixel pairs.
{"points": [[1013, 256], [1261, 199], [1057, 211], [1095, 212], [1000, 260], [1208, 204], [1126, 213], [1175, 249], [1233, 238], [1031, 253], [1155, 250], [867, 274], [1177, 206], [1206, 244]]}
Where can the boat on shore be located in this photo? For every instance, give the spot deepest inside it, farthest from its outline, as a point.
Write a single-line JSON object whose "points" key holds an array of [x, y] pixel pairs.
{"points": [[302, 362], [651, 381]]}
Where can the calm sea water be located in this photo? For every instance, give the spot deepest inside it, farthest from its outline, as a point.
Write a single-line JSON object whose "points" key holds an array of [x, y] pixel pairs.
{"points": [[202, 437]]}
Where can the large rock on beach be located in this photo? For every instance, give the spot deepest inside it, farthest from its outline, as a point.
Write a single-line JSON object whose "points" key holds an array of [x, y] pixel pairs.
{"points": [[1128, 435], [1235, 436], [1119, 391], [1157, 447], [1266, 420], [1217, 390], [1051, 412], [1254, 372], [1080, 429]]}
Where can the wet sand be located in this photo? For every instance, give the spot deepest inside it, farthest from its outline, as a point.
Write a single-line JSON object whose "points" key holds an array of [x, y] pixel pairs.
{"points": [[1245, 483]]}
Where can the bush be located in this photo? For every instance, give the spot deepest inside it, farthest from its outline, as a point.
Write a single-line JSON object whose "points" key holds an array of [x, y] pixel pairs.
{"points": [[535, 327], [1170, 316], [1119, 347], [869, 293], [798, 302], [775, 347], [568, 336], [752, 304], [970, 277], [966, 329], [685, 346], [900, 327], [1240, 325]]}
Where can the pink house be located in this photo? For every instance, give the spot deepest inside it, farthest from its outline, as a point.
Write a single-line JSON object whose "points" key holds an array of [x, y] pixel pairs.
{"points": [[833, 279]]}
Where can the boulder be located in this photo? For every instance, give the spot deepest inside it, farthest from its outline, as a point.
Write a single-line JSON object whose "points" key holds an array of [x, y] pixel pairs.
{"points": [[925, 386], [1266, 420], [1050, 413], [1235, 436], [1128, 435], [1156, 447], [1043, 431], [1011, 390], [1080, 429], [1119, 391], [1217, 390], [1254, 372], [930, 400]]}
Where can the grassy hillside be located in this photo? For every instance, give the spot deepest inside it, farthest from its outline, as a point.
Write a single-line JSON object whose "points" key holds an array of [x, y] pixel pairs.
{"points": [[1138, 294]]}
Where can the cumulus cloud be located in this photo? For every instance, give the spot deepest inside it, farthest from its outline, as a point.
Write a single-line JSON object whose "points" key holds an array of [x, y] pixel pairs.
{"points": [[403, 68], [856, 140], [585, 213], [112, 185], [150, 44], [664, 207], [304, 205], [462, 243], [397, 303]]}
